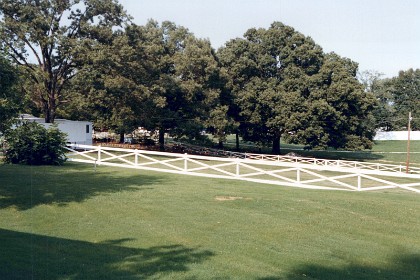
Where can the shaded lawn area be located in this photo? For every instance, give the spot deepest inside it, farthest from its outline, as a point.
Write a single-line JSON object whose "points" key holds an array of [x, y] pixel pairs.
{"points": [[30, 186], [71, 222], [33, 256]]}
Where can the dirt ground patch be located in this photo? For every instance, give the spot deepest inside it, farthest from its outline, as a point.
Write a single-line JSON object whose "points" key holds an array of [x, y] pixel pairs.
{"points": [[227, 198]]}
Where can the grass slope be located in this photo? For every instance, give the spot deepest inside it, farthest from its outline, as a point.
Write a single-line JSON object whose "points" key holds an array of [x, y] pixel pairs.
{"points": [[73, 223]]}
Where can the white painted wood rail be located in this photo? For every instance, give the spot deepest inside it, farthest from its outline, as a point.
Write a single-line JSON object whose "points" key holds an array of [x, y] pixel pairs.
{"points": [[270, 169]]}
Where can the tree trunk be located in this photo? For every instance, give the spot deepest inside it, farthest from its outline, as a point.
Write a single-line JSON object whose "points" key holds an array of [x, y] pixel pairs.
{"points": [[50, 102], [122, 137], [49, 118], [49, 109], [237, 140], [276, 145], [220, 145], [161, 139]]}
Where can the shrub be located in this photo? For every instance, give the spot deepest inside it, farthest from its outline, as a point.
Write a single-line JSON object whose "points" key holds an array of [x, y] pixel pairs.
{"points": [[31, 143]]}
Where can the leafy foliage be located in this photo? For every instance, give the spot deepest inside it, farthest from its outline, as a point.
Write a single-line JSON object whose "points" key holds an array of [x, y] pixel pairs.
{"points": [[184, 80], [9, 95], [284, 85], [157, 76], [107, 92], [384, 110], [269, 72], [59, 46], [271, 83], [396, 97], [405, 91], [32, 144], [337, 110]]}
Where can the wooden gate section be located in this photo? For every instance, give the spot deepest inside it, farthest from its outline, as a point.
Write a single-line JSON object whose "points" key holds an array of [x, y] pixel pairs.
{"points": [[278, 170]]}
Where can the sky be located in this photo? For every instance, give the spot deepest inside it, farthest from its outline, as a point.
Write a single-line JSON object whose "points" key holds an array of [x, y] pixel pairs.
{"points": [[381, 35]]}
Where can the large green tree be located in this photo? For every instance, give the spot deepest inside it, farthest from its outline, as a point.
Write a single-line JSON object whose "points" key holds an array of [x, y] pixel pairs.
{"points": [[185, 86], [384, 110], [10, 96], [111, 91], [284, 85], [269, 75], [337, 112], [405, 91], [51, 40], [396, 97], [159, 76]]}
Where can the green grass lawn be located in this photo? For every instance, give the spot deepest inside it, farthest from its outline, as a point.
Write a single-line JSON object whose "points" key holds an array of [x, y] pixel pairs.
{"points": [[70, 222]]}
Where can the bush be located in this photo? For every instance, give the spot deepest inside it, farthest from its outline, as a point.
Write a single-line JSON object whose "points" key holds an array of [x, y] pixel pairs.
{"points": [[31, 143]]}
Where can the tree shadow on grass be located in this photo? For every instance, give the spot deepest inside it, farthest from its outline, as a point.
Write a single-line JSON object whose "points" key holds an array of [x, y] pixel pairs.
{"points": [[401, 266], [31, 256], [25, 187]]}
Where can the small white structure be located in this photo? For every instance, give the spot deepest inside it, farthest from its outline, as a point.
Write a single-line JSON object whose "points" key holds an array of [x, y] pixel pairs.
{"points": [[78, 132], [396, 135]]}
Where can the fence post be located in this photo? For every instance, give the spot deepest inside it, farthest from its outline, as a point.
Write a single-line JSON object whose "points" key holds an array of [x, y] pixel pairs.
{"points": [[359, 182], [185, 162], [298, 175], [99, 154], [237, 168], [136, 157]]}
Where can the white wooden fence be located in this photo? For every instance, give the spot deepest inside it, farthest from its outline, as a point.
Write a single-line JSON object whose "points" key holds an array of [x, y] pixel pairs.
{"points": [[270, 169]]}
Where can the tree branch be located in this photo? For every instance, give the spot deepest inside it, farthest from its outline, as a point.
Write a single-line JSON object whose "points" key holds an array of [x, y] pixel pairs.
{"points": [[54, 28], [32, 48], [18, 56]]}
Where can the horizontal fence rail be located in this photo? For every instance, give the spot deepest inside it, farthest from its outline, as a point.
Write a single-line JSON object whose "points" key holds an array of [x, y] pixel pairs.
{"points": [[337, 163], [270, 169]]}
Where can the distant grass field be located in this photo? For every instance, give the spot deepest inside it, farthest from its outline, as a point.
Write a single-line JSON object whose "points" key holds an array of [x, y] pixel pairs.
{"points": [[71, 222]]}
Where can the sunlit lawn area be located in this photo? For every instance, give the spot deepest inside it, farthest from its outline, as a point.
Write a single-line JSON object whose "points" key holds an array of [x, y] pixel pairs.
{"points": [[71, 222]]}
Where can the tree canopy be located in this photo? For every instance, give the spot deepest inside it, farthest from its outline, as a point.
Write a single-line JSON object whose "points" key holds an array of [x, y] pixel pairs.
{"points": [[395, 97], [337, 110], [405, 91], [84, 59], [51, 40], [156, 76], [284, 85], [183, 85], [10, 96]]}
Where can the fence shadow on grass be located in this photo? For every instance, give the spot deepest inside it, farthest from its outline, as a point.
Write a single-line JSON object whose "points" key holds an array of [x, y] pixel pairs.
{"points": [[31, 256], [401, 266], [25, 187]]}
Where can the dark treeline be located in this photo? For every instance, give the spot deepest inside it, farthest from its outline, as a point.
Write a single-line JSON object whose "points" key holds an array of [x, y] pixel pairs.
{"points": [[86, 60]]}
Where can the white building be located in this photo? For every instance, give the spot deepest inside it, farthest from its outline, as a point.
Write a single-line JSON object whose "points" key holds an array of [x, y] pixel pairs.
{"points": [[78, 132], [396, 135]]}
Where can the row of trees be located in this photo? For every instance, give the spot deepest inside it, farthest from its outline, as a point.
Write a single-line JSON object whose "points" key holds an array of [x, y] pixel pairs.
{"points": [[84, 59], [396, 97]]}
